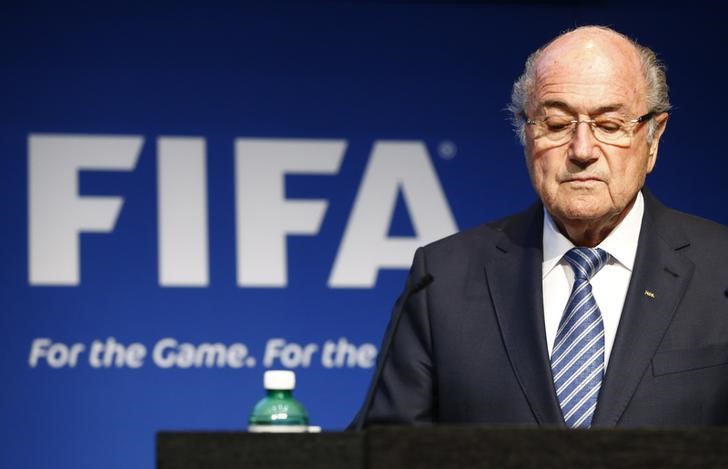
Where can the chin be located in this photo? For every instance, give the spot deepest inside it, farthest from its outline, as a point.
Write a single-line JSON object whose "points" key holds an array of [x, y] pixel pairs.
{"points": [[584, 212]]}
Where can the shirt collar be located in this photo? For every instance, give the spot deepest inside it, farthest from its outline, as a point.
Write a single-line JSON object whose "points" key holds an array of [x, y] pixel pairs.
{"points": [[621, 243]]}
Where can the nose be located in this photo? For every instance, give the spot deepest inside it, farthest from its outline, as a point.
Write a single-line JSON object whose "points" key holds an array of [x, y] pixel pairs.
{"points": [[582, 142]]}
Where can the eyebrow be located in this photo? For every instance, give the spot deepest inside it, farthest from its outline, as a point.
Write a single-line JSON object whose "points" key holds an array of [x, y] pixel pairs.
{"points": [[566, 108]]}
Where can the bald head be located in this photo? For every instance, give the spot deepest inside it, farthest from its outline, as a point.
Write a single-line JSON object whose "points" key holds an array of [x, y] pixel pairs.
{"points": [[587, 41], [592, 51]]}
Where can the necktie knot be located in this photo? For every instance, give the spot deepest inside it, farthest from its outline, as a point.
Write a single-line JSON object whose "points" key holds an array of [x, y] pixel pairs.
{"points": [[586, 262]]}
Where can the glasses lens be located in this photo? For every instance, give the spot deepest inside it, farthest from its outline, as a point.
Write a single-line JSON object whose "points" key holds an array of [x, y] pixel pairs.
{"points": [[611, 130], [557, 128]]}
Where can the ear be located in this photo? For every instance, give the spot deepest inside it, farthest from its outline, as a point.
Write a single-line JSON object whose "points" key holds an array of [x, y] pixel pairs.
{"points": [[661, 120]]}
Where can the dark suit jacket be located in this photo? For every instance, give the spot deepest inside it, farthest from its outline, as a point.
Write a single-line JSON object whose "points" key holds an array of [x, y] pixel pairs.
{"points": [[471, 347]]}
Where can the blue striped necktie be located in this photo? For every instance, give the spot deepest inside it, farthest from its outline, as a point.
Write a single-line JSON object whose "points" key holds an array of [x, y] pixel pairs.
{"points": [[577, 359]]}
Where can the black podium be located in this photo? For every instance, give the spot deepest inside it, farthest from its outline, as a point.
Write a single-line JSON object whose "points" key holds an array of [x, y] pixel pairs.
{"points": [[447, 447]]}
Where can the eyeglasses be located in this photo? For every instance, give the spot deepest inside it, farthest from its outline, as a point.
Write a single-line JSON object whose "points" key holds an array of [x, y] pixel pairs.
{"points": [[607, 129]]}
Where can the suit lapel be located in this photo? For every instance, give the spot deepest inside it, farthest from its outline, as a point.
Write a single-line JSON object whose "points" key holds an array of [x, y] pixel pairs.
{"points": [[659, 280], [514, 278]]}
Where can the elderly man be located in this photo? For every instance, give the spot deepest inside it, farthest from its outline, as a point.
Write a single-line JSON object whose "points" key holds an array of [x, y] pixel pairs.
{"points": [[597, 306]]}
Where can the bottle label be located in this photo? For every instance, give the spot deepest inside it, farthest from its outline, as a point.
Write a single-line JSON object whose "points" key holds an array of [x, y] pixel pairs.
{"points": [[278, 428]]}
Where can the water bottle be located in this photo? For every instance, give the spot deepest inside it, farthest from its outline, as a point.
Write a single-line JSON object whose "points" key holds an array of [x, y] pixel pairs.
{"points": [[278, 411]]}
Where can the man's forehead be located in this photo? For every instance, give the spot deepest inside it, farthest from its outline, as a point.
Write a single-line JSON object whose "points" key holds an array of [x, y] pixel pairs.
{"points": [[558, 105]]}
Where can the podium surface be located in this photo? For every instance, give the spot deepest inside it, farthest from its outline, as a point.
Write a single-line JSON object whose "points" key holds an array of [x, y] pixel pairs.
{"points": [[447, 447]]}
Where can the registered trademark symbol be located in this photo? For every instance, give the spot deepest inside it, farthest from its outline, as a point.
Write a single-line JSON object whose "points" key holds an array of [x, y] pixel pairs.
{"points": [[447, 150]]}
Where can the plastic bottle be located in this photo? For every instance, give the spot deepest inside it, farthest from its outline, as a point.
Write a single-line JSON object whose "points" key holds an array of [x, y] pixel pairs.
{"points": [[279, 411]]}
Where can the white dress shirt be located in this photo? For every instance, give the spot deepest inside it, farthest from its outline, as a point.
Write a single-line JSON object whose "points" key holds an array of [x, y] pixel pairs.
{"points": [[609, 285]]}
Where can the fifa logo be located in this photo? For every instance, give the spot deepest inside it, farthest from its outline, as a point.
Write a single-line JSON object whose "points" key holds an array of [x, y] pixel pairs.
{"points": [[264, 216]]}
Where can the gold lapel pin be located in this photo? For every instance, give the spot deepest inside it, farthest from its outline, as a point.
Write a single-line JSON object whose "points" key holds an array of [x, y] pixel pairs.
{"points": [[650, 294]]}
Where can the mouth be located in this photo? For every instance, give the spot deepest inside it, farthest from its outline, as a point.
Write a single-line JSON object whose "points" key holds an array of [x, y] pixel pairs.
{"points": [[584, 179]]}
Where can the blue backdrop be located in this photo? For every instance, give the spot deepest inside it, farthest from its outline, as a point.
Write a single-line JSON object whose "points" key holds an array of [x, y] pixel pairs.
{"points": [[398, 104]]}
